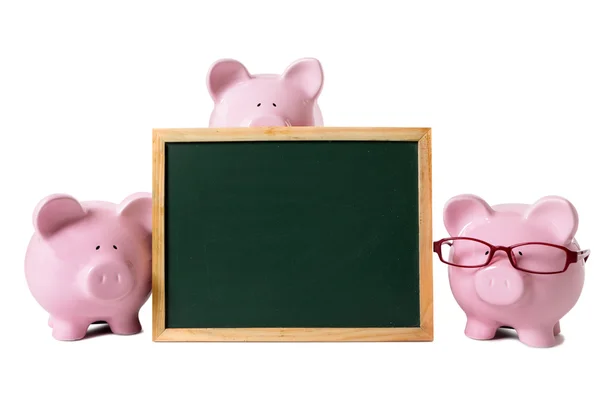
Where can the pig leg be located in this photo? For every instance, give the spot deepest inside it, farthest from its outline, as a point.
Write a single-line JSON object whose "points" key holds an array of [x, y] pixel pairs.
{"points": [[537, 337], [557, 329], [480, 330], [68, 330], [128, 324]]}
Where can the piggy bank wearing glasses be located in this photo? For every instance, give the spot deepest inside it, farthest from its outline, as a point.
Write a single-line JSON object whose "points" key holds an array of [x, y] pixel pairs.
{"points": [[513, 265]]}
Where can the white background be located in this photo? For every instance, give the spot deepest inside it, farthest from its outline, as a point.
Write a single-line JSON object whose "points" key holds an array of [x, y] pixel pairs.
{"points": [[511, 90]]}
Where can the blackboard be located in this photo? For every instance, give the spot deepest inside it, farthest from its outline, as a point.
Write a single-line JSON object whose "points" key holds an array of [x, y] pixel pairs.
{"points": [[292, 234]]}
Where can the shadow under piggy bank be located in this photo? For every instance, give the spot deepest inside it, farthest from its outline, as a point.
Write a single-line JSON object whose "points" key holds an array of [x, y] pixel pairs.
{"points": [[100, 328], [508, 332]]}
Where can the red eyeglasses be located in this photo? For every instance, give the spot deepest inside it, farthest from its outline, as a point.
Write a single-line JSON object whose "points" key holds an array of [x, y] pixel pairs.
{"points": [[532, 257]]}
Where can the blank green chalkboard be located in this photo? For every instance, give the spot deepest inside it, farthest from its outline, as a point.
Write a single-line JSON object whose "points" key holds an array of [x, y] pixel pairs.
{"points": [[299, 234]]}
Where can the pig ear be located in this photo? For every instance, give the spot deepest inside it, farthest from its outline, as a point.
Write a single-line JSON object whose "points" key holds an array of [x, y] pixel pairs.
{"points": [[461, 210], [138, 206], [307, 75], [56, 212], [224, 73], [558, 214]]}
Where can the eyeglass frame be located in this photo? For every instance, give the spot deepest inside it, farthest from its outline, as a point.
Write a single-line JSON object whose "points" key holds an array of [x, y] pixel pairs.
{"points": [[572, 257]]}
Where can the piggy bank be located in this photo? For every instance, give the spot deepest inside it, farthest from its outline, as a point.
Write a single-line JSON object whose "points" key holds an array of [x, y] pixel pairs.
{"points": [[513, 265], [91, 262], [245, 100]]}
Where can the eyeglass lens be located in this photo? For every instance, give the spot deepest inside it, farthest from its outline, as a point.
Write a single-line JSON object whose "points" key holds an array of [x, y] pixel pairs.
{"points": [[465, 252], [539, 258]]}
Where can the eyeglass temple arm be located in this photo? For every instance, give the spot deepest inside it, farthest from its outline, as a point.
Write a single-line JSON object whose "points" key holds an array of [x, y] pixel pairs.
{"points": [[585, 254]]}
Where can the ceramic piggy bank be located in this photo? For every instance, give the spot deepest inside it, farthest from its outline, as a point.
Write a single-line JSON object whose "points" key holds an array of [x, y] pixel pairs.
{"points": [[513, 265], [91, 262], [245, 100]]}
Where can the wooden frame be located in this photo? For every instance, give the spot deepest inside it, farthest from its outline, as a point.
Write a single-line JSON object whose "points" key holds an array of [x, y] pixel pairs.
{"points": [[422, 333]]}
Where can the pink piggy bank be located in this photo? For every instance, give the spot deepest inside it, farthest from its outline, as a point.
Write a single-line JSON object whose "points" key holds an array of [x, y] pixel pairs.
{"points": [[245, 100], [513, 265], [91, 261]]}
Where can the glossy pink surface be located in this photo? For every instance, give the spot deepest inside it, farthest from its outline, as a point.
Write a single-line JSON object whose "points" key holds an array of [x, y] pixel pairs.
{"points": [[500, 295], [242, 99], [91, 261]]}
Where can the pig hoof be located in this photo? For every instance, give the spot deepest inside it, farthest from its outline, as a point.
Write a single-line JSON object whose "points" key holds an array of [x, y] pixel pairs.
{"points": [[537, 338], [126, 327], [557, 329], [480, 331], [66, 331], [50, 323]]}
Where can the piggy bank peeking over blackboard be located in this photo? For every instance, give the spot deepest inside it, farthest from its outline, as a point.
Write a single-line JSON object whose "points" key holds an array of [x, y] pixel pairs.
{"points": [[245, 100]]}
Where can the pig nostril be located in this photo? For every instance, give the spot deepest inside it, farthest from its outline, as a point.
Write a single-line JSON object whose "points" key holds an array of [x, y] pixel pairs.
{"points": [[506, 283], [119, 278], [103, 279], [491, 282]]}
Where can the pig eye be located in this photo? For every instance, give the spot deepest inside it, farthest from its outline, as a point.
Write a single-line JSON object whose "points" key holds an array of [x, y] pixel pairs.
{"points": [[520, 253], [258, 105], [114, 247], [97, 247], [487, 252], [274, 105]]}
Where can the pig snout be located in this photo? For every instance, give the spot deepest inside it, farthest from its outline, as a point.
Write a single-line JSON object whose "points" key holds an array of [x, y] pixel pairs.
{"points": [[268, 120], [499, 285], [109, 281]]}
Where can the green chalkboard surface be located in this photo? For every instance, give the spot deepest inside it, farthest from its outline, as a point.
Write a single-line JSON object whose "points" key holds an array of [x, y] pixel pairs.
{"points": [[291, 236]]}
